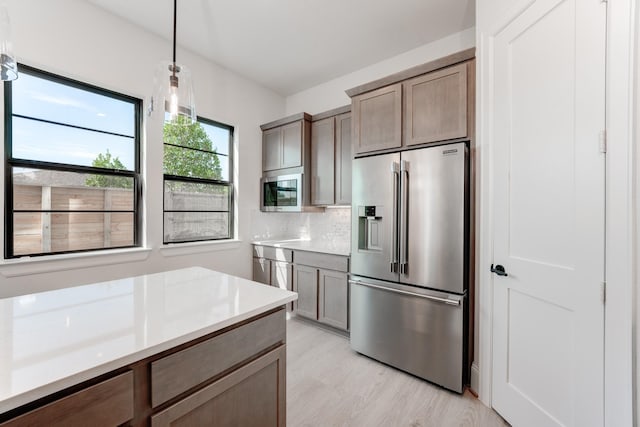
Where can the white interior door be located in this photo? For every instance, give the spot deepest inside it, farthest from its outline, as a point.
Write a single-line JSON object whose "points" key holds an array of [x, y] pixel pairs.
{"points": [[548, 187]]}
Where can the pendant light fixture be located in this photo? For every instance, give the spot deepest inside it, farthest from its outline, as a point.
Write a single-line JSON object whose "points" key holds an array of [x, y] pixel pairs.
{"points": [[8, 64], [176, 91]]}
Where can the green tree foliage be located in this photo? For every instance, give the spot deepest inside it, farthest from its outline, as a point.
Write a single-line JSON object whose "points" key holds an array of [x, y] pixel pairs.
{"points": [[107, 161], [184, 162], [177, 160]]}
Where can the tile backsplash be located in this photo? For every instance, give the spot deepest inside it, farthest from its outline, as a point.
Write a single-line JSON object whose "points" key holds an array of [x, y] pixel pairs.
{"points": [[333, 224]]}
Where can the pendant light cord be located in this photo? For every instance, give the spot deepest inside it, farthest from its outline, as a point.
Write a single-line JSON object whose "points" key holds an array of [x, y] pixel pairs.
{"points": [[175, 13]]}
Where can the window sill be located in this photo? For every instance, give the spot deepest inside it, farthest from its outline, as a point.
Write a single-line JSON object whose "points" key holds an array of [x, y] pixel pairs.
{"points": [[50, 263], [178, 249]]}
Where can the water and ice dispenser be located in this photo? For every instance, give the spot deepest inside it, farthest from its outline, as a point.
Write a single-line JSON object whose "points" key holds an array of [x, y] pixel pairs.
{"points": [[370, 229]]}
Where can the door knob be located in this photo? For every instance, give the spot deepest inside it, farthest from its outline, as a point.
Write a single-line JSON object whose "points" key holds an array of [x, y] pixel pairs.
{"points": [[499, 270]]}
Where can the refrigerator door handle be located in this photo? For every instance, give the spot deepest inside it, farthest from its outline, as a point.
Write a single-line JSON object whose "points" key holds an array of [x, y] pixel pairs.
{"points": [[404, 227], [413, 294], [395, 170]]}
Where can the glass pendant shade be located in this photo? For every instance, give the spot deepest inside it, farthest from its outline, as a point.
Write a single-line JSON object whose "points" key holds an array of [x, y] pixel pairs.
{"points": [[8, 64], [175, 93]]}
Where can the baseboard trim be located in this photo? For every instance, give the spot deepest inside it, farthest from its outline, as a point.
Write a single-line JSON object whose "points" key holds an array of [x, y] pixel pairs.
{"points": [[475, 378]]}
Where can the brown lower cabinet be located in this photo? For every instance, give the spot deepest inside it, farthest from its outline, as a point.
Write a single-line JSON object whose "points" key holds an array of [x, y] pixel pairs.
{"points": [[236, 376], [321, 281], [107, 403], [273, 267], [253, 395], [305, 281]]}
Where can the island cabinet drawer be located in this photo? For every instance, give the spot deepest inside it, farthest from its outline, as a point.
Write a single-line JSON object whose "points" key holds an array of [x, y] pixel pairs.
{"points": [[320, 260], [186, 369], [276, 254], [106, 404], [252, 395]]}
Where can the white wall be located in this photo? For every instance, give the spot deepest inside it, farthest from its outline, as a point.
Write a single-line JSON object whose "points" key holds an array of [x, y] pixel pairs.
{"points": [[620, 212], [329, 95], [76, 39], [636, 248]]}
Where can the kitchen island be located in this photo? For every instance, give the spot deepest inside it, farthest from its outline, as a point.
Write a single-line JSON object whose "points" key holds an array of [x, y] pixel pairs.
{"points": [[187, 346]]}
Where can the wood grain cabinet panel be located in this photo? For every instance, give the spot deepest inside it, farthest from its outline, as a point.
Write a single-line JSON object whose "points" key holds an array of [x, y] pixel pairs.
{"points": [[262, 270], [271, 149], [253, 395], [344, 158], [333, 300], [305, 283], [322, 260], [292, 145], [436, 106], [322, 283], [282, 275], [272, 266], [323, 161], [106, 404], [181, 371], [273, 253], [285, 143], [377, 119]]}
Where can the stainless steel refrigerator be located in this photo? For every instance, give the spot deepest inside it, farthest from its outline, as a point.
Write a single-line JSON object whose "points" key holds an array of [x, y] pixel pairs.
{"points": [[409, 268]]}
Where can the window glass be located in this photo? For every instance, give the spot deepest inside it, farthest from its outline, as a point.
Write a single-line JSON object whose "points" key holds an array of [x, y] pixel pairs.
{"points": [[196, 226], [45, 99], [190, 163], [190, 196], [72, 159], [71, 231], [47, 142], [198, 187], [67, 191]]}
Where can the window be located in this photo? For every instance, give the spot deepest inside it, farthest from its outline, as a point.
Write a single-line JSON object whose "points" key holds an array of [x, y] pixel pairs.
{"points": [[72, 162], [198, 187]]}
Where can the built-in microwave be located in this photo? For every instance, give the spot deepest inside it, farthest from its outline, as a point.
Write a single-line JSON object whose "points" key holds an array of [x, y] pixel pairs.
{"points": [[281, 193]]}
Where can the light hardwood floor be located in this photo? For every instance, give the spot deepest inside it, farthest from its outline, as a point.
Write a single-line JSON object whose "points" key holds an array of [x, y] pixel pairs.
{"points": [[328, 384]]}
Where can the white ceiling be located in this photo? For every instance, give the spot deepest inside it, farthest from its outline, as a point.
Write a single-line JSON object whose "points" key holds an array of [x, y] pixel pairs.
{"points": [[292, 45]]}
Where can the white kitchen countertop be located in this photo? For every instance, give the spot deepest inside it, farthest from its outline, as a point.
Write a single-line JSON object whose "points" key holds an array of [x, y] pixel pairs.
{"points": [[52, 340], [324, 246]]}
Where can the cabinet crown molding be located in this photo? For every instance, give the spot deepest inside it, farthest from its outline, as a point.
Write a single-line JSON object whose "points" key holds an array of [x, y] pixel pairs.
{"points": [[446, 61], [331, 113], [286, 120]]}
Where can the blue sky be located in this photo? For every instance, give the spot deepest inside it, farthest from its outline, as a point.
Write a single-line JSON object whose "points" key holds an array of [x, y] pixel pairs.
{"points": [[43, 99], [47, 100]]}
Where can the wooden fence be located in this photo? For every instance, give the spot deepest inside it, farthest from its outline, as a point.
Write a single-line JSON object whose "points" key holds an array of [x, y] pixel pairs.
{"points": [[186, 226], [40, 232], [43, 232]]}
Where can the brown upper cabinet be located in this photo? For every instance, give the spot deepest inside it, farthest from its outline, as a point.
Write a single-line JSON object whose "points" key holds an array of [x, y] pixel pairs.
{"points": [[435, 106], [344, 158], [377, 119], [323, 161], [331, 157], [425, 104], [284, 142]]}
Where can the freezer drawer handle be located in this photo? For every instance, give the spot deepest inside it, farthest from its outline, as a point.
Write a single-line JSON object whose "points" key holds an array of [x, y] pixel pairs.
{"points": [[413, 294]]}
